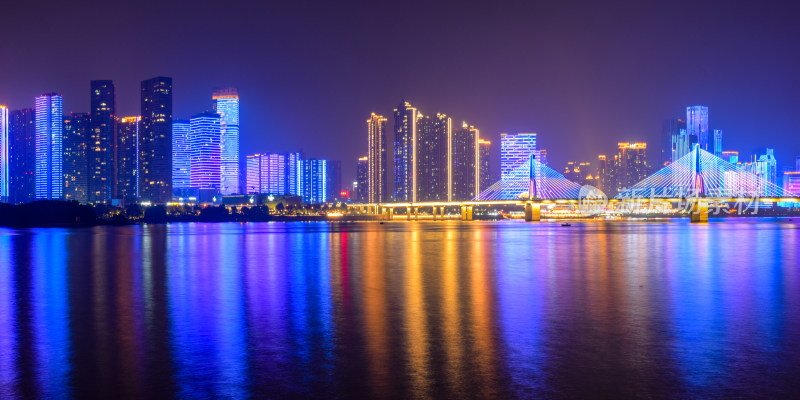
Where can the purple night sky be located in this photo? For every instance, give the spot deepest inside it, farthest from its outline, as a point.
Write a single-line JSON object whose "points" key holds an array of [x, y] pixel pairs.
{"points": [[584, 75]]}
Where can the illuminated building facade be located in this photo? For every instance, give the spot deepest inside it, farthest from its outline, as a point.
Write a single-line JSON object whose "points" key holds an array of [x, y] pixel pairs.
{"points": [[267, 173], [766, 166], [484, 161], [126, 184], [226, 104], [78, 137], [315, 178], [730, 156], [101, 143], [155, 140], [515, 151], [205, 152], [49, 146], [405, 149], [465, 163], [673, 144], [601, 176], [22, 155], [294, 174], [541, 155], [377, 179], [181, 164], [697, 125], [334, 180], [433, 158], [717, 134], [631, 164], [791, 182], [361, 189], [5, 176]]}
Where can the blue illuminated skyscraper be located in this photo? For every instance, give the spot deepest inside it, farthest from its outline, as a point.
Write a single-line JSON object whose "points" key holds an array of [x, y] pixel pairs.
{"points": [[181, 178], [205, 160], [697, 125], [22, 155], [718, 142], [515, 151], [49, 141], [5, 177], [226, 104], [315, 178], [294, 174]]}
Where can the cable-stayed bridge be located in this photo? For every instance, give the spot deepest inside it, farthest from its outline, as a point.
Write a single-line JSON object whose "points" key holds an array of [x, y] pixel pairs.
{"points": [[698, 178]]}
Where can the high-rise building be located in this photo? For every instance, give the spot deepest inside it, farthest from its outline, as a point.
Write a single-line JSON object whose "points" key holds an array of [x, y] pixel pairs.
{"points": [[226, 104], [181, 156], [126, 183], [294, 174], [484, 161], [433, 158], [205, 152], [377, 178], [405, 151], [101, 144], [718, 142], [155, 141], [601, 176], [672, 143], [253, 172], [682, 144], [697, 125], [49, 146], [631, 164], [766, 166], [334, 183], [5, 176], [361, 188], [266, 173], [78, 137], [465, 165], [515, 151], [315, 180], [791, 182], [541, 156], [730, 156], [22, 155], [797, 164]]}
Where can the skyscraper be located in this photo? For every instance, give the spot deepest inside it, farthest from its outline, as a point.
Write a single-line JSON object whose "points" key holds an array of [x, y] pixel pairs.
{"points": [[226, 104], [5, 177], [181, 178], [266, 173], [334, 183], [205, 152], [127, 159], [49, 142], [671, 132], [405, 150], [697, 125], [433, 158], [362, 180], [377, 178], [766, 166], [155, 141], [486, 180], [682, 144], [22, 155], [294, 174], [632, 164], [718, 142], [465, 165], [730, 156], [315, 178], [601, 176], [515, 151], [101, 144], [77, 139]]}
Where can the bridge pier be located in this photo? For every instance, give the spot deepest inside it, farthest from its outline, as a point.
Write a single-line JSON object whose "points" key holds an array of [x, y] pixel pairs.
{"points": [[466, 213], [699, 211], [533, 211], [390, 213]]}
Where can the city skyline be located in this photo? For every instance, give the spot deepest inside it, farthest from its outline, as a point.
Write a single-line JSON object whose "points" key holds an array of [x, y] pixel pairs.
{"points": [[546, 80]]}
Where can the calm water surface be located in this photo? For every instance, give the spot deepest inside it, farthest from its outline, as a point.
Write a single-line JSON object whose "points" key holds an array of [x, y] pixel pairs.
{"points": [[441, 309]]}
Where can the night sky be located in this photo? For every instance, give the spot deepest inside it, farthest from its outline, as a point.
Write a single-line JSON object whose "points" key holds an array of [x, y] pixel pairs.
{"points": [[584, 75]]}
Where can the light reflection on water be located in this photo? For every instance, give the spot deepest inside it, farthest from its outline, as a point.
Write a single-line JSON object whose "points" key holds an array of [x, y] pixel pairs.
{"points": [[444, 309]]}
